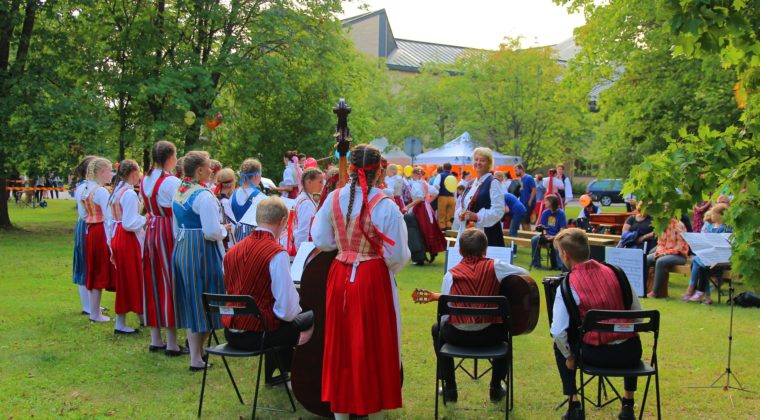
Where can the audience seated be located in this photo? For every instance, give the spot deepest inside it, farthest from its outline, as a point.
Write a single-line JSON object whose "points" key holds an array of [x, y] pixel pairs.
{"points": [[638, 231], [699, 285], [671, 250], [552, 221]]}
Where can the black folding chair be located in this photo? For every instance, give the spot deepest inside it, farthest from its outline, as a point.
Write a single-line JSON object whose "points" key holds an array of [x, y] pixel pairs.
{"points": [[216, 304], [622, 321], [496, 306]]}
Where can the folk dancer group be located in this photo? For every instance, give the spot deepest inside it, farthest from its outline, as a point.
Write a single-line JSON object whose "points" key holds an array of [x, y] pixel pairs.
{"points": [[162, 275]]}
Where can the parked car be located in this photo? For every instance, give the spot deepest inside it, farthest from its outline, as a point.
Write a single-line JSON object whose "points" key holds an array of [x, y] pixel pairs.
{"points": [[606, 191]]}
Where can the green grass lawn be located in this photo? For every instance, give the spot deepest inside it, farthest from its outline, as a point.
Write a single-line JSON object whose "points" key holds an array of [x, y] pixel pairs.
{"points": [[54, 363]]}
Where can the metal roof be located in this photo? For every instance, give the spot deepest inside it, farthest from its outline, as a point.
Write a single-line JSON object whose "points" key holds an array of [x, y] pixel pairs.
{"points": [[416, 53]]}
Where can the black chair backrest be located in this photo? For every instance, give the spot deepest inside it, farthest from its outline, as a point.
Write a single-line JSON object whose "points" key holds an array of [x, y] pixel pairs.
{"points": [[488, 306], [232, 305], [622, 321]]}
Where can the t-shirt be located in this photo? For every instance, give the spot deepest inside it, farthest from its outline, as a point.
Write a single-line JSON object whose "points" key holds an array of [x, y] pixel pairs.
{"points": [[516, 208], [528, 185], [643, 227], [553, 221]]}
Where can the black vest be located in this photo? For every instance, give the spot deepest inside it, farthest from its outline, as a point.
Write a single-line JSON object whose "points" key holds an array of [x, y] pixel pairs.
{"points": [[494, 233], [442, 191]]}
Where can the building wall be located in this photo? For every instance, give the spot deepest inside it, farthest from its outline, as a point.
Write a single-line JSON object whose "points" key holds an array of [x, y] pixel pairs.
{"points": [[365, 35]]}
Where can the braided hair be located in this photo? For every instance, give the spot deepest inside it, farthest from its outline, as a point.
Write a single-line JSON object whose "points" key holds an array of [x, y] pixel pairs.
{"points": [[126, 167], [80, 171], [161, 152], [361, 156]]}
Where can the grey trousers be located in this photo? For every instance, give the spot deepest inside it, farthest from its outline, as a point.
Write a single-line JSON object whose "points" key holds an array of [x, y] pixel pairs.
{"points": [[662, 267]]}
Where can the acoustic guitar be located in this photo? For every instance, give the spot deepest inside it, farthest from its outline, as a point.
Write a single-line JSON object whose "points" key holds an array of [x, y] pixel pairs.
{"points": [[522, 294]]}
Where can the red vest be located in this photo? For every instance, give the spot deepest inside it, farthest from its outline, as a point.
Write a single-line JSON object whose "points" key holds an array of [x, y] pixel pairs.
{"points": [[474, 276], [597, 287], [246, 272]]}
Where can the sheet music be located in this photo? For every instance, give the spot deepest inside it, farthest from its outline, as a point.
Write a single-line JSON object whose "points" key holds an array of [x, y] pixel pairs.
{"points": [[631, 260], [296, 269], [453, 257], [711, 248], [249, 218]]}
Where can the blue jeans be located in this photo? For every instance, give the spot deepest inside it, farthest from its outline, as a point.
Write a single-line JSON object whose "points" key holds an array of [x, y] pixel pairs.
{"points": [[535, 255], [699, 274], [514, 225]]}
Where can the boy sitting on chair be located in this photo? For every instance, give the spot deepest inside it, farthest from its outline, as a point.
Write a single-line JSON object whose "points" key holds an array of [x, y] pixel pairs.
{"points": [[593, 285], [258, 266], [475, 275]]}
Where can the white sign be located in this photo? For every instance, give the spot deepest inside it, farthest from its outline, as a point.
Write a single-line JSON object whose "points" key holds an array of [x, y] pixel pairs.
{"points": [[711, 248], [631, 260], [453, 257], [299, 262], [249, 218]]}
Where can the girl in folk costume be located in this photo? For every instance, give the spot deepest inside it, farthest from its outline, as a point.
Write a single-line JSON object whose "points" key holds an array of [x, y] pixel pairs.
{"points": [[225, 186], [126, 252], [483, 202], [299, 222], [361, 365], [246, 196], [394, 184], [97, 254], [198, 252], [216, 166], [291, 175], [158, 189], [431, 234], [79, 275]]}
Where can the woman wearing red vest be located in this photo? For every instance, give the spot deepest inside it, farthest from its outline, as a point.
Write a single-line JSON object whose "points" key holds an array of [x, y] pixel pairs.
{"points": [[97, 253], [126, 225], [593, 286], [158, 189], [475, 275], [361, 366]]}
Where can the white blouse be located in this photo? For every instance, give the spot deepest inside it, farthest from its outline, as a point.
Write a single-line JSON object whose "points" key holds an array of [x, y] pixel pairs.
{"points": [[305, 210], [289, 175], [166, 191], [81, 211], [386, 217], [210, 212], [486, 216], [131, 220]]}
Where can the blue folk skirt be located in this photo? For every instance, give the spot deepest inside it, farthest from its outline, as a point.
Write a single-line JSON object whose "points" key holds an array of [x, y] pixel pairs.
{"points": [[197, 270], [79, 274]]}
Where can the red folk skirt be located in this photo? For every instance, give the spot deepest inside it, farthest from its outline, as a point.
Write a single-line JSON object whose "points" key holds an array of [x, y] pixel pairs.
{"points": [[431, 234], [398, 201], [361, 366], [98, 258], [158, 281], [128, 273]]}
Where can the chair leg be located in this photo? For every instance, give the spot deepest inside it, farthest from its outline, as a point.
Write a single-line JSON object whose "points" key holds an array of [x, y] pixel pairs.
{"points": [[657, 392], [284, 383], [203, 388], [437, 380], [511, 377], [234, 384], [258, 381], [583, 396], [644, 400]]}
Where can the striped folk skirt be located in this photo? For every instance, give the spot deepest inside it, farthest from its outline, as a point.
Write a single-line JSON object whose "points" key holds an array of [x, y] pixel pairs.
{"points": [[197, 270], [158, 283], [79, 274], [242, 231]]}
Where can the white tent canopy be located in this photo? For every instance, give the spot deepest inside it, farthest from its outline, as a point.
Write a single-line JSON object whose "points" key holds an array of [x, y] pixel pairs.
{"points": [[459, 152], [392, 153]]}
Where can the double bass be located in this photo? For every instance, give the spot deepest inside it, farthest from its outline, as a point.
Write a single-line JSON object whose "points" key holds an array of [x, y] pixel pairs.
{"points": [[306, 368]]}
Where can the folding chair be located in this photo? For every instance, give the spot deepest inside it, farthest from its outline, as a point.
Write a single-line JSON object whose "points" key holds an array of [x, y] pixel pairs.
{"points": [[622, 321], [217, 304], [497, 307]]}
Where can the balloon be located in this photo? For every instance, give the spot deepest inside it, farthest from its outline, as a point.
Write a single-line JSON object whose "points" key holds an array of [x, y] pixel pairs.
{"points": [[211, 124], [408, 170], [585, 200], [310, 163], [450, 182], [189, 118]]}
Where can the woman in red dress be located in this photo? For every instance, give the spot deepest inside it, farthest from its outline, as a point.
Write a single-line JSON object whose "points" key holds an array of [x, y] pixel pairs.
{"points": [[431, 233], [362, 363], [126, 251]]}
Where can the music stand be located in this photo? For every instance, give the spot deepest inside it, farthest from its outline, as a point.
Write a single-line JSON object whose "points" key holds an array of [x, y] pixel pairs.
{"points": [[728, 373]]}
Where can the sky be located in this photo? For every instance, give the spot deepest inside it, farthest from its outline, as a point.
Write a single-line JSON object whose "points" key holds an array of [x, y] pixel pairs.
{"points": [[474, 23]]}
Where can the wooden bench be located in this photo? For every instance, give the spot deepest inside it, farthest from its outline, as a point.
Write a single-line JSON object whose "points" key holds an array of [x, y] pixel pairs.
{"points": [[452, 239], [597, 236]]}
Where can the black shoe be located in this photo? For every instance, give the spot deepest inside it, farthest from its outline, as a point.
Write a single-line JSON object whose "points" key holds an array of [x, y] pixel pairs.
{"points": [[497, 393], [277, 380], [125, 332], [626, 410], [155, 349], [450, 394], [574, 412], [175, 353], [199, 368]]}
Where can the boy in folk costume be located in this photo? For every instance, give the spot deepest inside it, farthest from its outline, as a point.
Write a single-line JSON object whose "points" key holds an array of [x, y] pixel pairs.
{"points": [[475, 275], [299, 222], [259, 267], [361, 365], [97, 253], [431, 234], [79, 275], [126, 252], [246, 196], [158, 189], [198, 253]]}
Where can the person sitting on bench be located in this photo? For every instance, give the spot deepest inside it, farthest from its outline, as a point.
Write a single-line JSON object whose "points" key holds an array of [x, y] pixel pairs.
{"points": [[593, 285], [475, 275], [551, 223], [259, 266]]}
